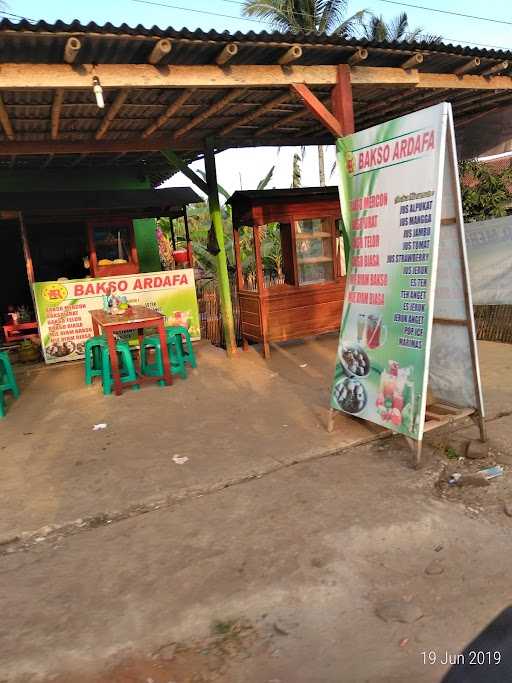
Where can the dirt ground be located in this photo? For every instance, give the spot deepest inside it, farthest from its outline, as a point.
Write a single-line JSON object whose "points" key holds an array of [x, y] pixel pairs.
{"points": [[278, 577]]}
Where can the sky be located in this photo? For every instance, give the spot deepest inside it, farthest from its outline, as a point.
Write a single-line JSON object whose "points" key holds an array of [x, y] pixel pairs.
{"points": [[244, 168]]}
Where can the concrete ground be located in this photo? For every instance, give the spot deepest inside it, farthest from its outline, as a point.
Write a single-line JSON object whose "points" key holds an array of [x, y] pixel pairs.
{"points": [[233, 420], [256, 528]]}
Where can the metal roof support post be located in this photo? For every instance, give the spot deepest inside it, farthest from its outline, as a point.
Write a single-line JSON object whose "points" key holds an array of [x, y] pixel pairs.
{"points": [[222, 266]]}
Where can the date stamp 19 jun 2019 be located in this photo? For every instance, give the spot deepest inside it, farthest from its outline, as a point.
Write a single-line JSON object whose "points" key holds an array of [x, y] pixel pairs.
{"points": [[471, 658]]}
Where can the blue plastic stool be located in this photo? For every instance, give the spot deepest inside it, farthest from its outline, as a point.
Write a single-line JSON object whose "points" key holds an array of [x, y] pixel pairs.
{"points": [[175, 335], [7, 380]]}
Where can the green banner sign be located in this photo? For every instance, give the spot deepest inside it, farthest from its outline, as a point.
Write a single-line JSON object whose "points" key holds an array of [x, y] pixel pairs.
{"points": [[390, 194], [63, 307]]}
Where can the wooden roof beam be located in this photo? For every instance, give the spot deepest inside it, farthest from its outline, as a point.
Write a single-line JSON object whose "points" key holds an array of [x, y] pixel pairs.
{"points": [[160, 50], [92, 146], [112, 112], [391, 77], [414, 61], [303, 113], [252, 116], [318, 109], [5, 121], [41, 76], [359, 56], [115, 76], [211, 111], [227, 53], [424, 100], [178, 163], [291, 55], [71, 49], [496, 69], [467, 67], [58, 100], [168, 113]]}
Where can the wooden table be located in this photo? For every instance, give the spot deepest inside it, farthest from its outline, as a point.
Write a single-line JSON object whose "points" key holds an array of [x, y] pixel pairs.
{"points": [[136, 318], [17, 331]]}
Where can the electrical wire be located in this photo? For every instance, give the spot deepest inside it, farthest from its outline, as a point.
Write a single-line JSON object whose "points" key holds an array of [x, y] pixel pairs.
{"points": [[443, 11], [260, 22], [15, 16], [197, 11]]}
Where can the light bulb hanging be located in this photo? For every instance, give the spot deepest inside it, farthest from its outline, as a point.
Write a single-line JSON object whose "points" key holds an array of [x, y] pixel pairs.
{"points": [[98, 92]]}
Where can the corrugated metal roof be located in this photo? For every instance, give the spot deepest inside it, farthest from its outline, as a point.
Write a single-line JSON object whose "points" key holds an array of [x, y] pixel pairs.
{"points": [[140, 33], [40, 41], [287, 123]]}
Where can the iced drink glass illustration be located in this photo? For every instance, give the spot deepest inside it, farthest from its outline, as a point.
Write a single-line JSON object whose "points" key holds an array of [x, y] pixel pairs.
{"points": [[373, 331], [361, 324]]}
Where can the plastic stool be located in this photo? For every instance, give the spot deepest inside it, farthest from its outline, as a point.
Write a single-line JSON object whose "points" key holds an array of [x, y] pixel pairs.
{"points": [[97, 362], [126, 366], [157, 367], [93, 357], [7, 380], [175, 335]]}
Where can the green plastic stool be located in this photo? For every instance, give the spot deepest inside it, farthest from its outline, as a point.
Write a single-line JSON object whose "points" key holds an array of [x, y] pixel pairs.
{"points": [[175, 335], [7, 380], [157, 367], [126, 365], [97, 362], [93, 357]]}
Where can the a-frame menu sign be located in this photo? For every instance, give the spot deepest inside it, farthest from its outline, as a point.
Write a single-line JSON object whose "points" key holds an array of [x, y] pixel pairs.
{"points": [[407, 326]]}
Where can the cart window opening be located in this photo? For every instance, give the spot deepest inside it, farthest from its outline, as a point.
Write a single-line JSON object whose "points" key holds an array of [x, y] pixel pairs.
{"points": [[276, 254], [247, 258], [314, 248], [112, 244]]}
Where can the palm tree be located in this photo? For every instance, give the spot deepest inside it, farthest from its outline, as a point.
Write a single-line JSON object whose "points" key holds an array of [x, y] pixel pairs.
{"points": [[397, 29], [317, 16]]}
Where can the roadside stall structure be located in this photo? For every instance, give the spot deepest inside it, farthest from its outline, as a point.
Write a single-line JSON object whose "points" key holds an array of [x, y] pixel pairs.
{"points": [[306, 297], [116, 100], [80, 246]]}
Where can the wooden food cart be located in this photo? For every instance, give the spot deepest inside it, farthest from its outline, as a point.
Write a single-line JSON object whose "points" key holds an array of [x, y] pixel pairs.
{"points": [[291, 283]]}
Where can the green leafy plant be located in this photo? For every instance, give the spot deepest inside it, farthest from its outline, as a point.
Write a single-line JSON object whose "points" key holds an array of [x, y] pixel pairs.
{"points": [[486, 191]]}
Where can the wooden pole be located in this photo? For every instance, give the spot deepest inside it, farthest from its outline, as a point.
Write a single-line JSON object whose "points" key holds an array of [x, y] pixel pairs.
{"points": [[317, 108], [28, 257], [342, 102], [238, 258], [188, 240], [173, 236], [343, 108], [262, 294], [222, 266]]}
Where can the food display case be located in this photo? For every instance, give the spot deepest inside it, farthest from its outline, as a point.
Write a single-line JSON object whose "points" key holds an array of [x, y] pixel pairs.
{"points": [[289, 261]]}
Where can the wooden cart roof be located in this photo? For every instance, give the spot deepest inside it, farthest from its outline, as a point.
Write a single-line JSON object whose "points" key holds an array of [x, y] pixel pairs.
{"points": [[296, 194], [170, 89]]}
